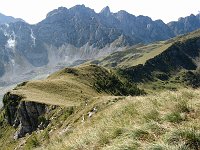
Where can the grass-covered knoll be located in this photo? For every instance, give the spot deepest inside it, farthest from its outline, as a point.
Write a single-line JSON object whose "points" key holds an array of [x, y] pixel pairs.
{"points": [[73, 86], [69, 86], [168, 120]]}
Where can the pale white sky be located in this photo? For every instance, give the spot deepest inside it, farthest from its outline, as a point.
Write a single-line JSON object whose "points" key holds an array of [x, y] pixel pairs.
{"points": [[33, 11]]}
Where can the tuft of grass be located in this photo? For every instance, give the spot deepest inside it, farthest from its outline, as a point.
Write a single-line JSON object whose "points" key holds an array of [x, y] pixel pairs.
{"points": [[117, 132], [186, 138], [155, 128], [179, 110], [153, 115], [182, 107], [132, 146], [103, 139], [32, 142], [174, 117], [142, 135], [191, 138], [157, 147]]}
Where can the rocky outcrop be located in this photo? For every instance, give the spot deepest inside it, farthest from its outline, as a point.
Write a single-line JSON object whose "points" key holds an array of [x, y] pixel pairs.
{"points": [[23, 115], [8, 19], [185, 25], [141, 29]]}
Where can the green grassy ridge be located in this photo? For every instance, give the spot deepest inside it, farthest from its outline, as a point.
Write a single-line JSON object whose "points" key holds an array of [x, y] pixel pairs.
{"points": [[179, 56], [100, 78], [71, 86]]}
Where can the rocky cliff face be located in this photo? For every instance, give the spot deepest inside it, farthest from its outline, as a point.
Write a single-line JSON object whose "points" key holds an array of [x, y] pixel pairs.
{"points": [[23, 115], [77, 26], [142, 28]]}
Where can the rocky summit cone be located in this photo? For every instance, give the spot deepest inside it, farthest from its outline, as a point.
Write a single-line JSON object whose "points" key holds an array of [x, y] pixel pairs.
{"points": [[106, 11]]}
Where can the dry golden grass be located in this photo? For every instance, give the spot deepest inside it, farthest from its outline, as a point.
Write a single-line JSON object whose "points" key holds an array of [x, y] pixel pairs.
{"points": [[143, 122]]}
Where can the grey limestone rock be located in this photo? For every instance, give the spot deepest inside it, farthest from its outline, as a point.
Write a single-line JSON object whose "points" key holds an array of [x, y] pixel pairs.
{"points": [[22, 115]]}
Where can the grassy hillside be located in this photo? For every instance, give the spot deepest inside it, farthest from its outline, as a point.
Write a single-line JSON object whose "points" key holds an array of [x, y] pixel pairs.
{"points": [[167, 121], [179, 56], [162, 121]]}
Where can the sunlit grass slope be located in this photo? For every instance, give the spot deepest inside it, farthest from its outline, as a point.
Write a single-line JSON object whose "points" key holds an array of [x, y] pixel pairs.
{"points": [[164, 121]]}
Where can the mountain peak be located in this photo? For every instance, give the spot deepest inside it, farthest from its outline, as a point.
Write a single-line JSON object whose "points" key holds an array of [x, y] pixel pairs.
{"points": [[82, 9], [79, 7], [192, 15], [105, 11], [122, 12], [57, 11]]}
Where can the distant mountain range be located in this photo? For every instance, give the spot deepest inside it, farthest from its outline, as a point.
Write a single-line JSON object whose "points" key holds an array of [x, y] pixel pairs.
{"points": [[78, 33]]}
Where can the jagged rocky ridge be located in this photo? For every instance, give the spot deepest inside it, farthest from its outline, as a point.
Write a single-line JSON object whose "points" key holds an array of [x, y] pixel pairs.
{"points": [[23, 115], [78, 33], [185, 25]]}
